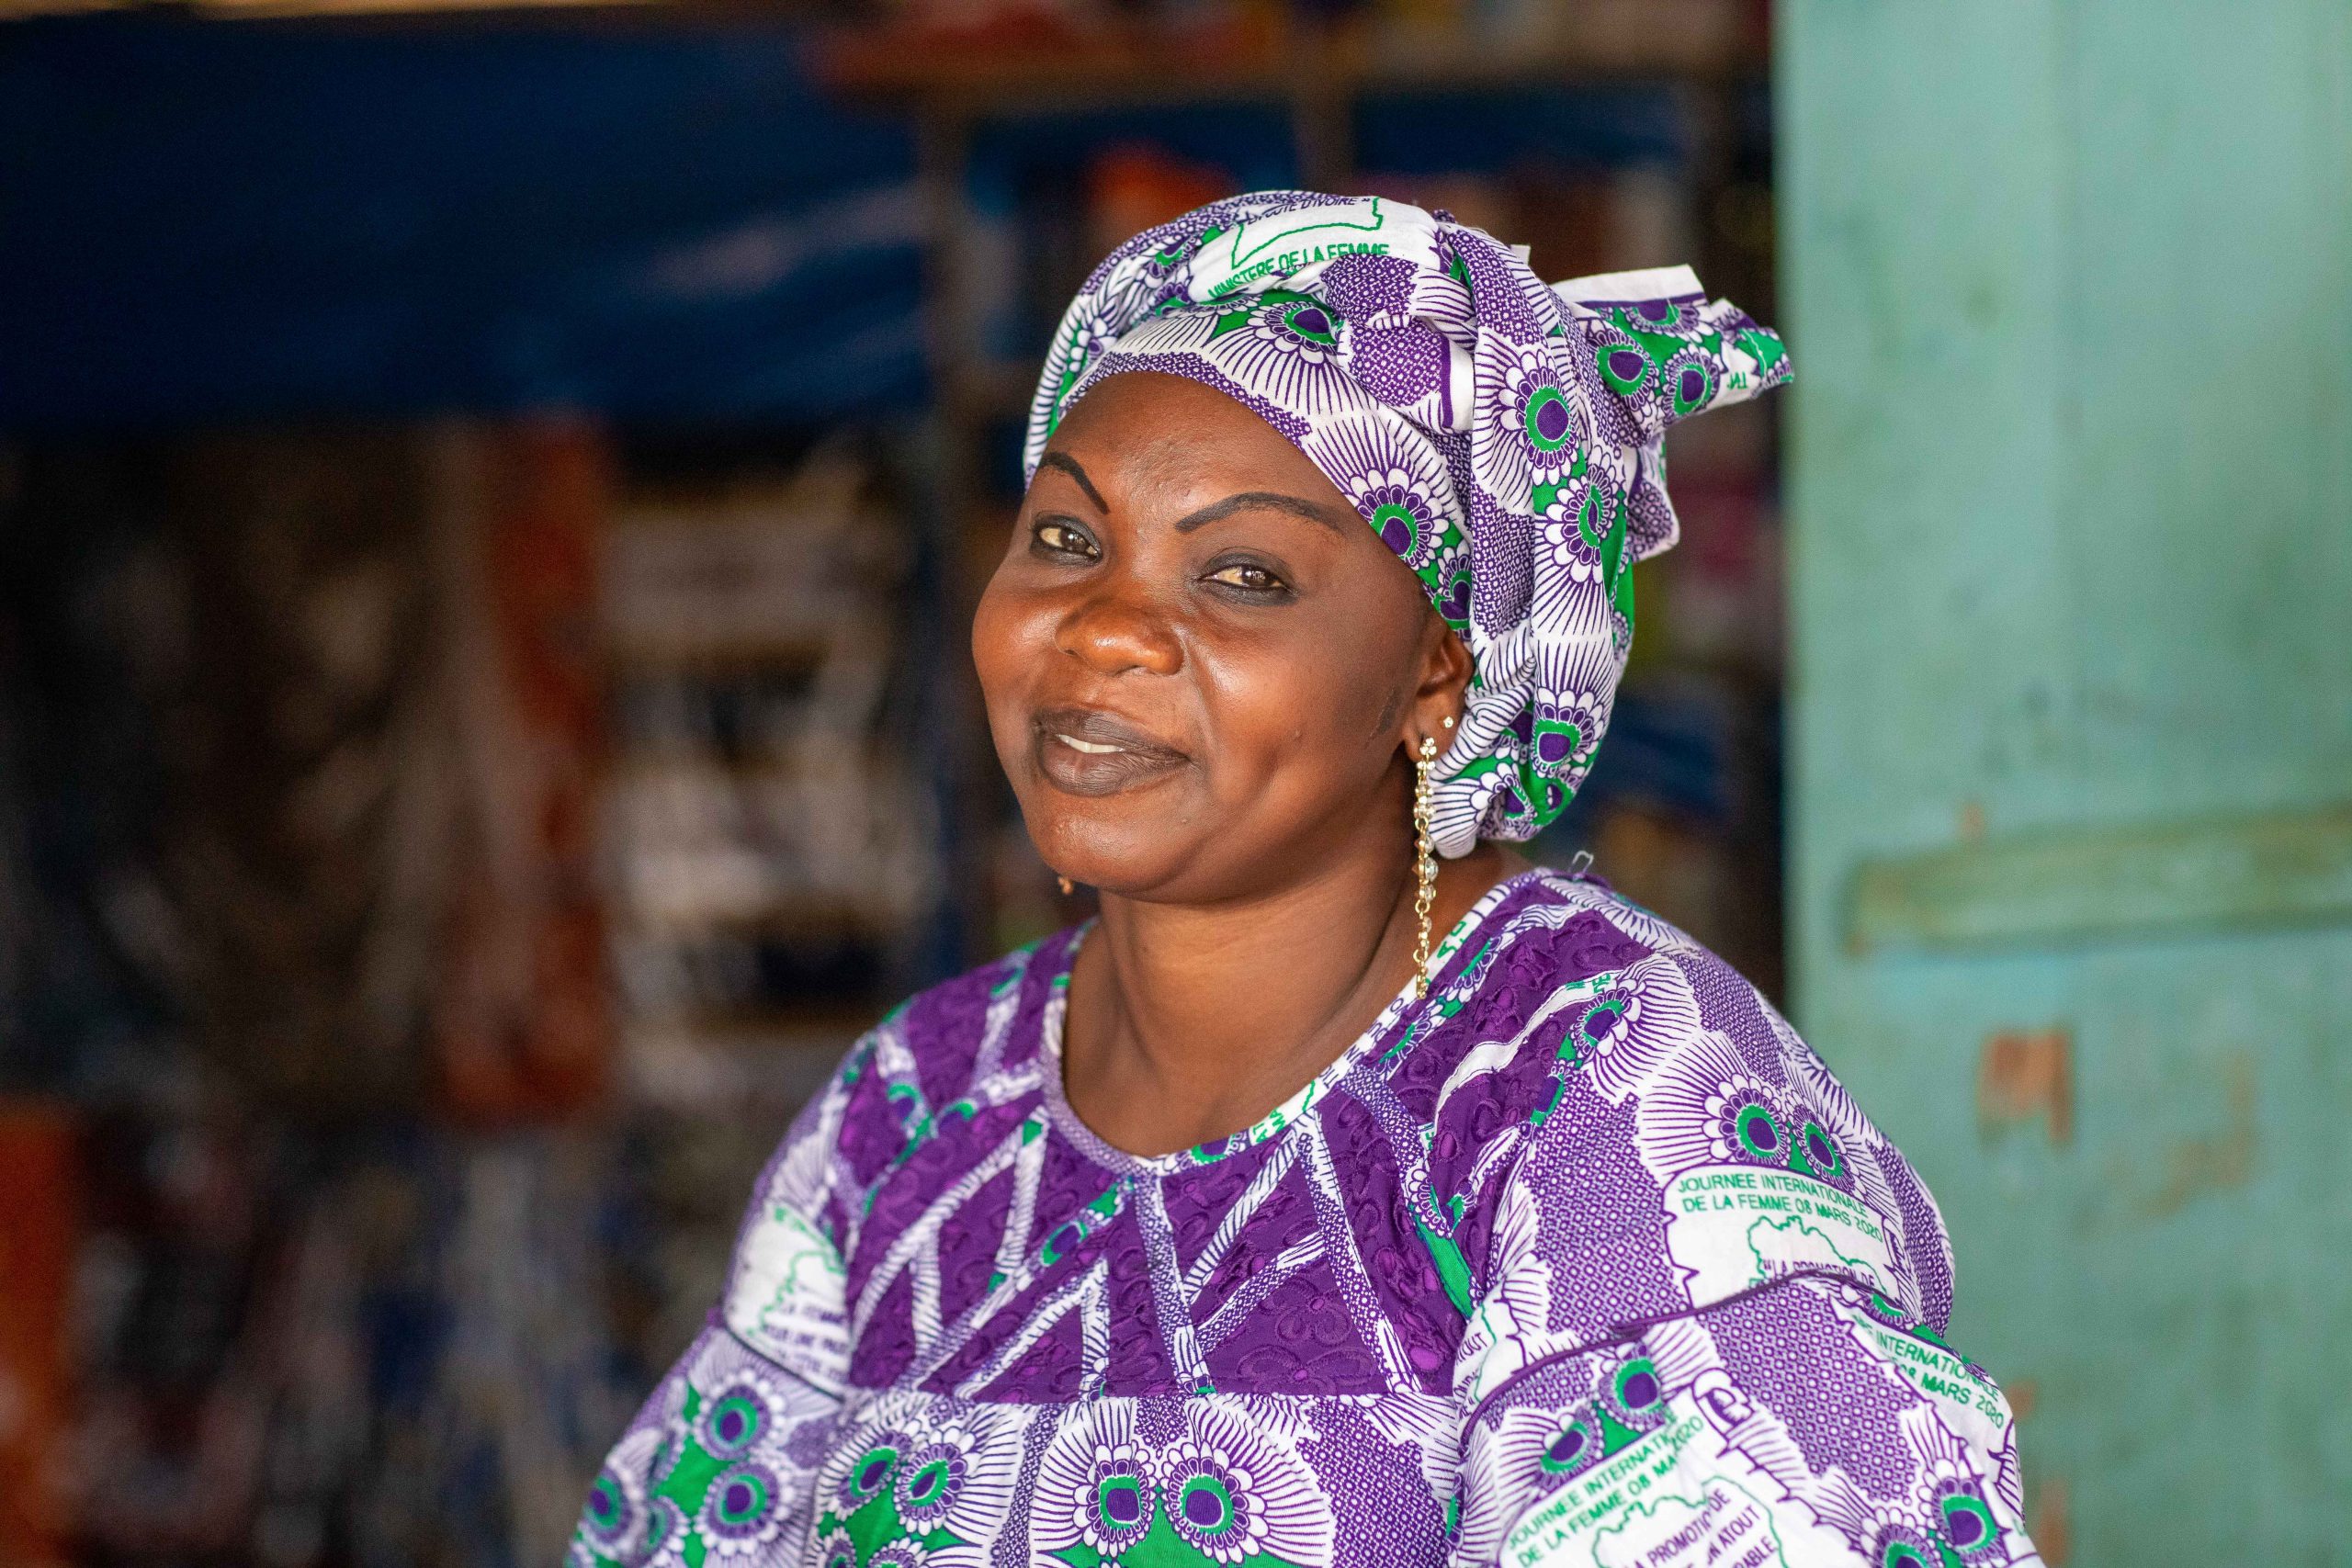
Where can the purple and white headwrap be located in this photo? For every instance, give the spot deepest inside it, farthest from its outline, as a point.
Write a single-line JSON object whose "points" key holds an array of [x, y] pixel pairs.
{"points": [[1503, 437]]}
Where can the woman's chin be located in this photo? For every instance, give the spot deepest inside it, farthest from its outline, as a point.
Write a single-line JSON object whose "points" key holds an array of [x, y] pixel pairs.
{"points": [[1151, 853]]}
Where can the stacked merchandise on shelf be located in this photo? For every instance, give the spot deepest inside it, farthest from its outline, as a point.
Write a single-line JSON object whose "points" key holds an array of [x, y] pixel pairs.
{"points": [[304, 1028], [292, 1347], [771, 841]]}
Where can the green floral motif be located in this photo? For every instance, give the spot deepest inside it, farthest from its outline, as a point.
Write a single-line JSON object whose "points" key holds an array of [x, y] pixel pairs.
{"points": [[1382, 516], [1601, 1012], [1658, 348], [1624, 385], [1812, 1140], [1759, 1132], [1572, 1449], [1295, 317], [1532, 418], [1688, 401], [1162, 1547], [686, 1485], [1289, 300], [1544, 494], [876, 1523], [688, 1482]]}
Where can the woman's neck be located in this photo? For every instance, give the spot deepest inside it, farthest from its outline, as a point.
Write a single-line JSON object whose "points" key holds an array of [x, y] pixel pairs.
{"points": [[1188, 1023]]}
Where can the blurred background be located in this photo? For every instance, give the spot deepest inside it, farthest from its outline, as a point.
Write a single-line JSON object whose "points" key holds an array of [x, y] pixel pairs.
{"points": [[490, 504]]}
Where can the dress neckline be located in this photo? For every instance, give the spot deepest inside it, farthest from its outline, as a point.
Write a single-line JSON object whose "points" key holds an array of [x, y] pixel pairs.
{"points": [[1401, 1008]]}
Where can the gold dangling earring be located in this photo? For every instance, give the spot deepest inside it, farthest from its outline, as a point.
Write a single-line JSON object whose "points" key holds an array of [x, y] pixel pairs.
{"points": [[1425, 866], [1067, 887]]}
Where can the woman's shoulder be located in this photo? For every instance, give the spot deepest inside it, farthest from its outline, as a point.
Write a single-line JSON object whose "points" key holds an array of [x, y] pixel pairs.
{"points": [[951, 1038], [1612, 1104], [957, 1054]]}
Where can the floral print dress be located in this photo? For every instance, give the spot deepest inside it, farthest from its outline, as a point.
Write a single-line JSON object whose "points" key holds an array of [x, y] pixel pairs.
{"points": [[1584, 1258]]}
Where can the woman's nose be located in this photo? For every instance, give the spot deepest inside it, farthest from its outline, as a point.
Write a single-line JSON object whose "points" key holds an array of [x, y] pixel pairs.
{"points": [[1113, 633]]}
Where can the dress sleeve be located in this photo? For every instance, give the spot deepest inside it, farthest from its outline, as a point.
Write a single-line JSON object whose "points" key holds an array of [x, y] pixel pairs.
{"points": [[1707, 1327], [1807, 1424], [725, 1450]]}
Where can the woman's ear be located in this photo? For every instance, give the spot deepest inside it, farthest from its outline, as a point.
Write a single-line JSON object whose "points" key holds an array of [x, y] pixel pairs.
{"points": [[1443, 694]]}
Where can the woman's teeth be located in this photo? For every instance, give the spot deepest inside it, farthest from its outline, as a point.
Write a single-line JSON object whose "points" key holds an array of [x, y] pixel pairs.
{"points": [[1091, 749]]}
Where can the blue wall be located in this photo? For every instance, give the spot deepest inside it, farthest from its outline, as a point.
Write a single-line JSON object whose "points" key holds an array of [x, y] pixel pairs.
{"points": [[2070, 289]]}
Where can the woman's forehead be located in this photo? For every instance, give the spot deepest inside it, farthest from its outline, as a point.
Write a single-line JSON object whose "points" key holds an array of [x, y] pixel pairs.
{"points": [[1148, 428]]}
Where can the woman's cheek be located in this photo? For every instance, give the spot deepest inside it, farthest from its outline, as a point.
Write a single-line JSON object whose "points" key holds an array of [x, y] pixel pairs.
{"points": [[1271, 709], [999, 633]]}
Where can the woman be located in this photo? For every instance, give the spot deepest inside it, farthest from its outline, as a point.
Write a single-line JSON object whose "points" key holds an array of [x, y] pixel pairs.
{"points": [[1349, 1191]]}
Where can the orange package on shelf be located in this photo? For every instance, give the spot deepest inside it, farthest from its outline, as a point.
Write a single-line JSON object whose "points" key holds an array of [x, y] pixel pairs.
{"points": [[38, 1233], [525, 1023]]}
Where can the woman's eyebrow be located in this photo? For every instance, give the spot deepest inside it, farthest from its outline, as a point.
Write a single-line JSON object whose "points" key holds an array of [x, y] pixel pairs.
{"points": [[1249, 499], [1068, 465]]}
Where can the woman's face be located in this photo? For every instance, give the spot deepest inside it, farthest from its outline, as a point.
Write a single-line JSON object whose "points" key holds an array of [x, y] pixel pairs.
{"points": [[1202, 669]]}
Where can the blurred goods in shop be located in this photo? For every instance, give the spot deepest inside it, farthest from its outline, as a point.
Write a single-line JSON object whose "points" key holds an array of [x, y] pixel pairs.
{"points": [[772, 839], [342, 762], [292, 1349], [438, 855]]}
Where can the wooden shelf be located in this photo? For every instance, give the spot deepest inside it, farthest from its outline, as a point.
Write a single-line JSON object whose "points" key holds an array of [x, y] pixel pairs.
{"points": [[1044, 70]]}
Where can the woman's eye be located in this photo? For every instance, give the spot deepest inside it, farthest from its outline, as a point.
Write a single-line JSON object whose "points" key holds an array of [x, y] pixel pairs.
{"points": [[1250, 577], [1062, 539]]}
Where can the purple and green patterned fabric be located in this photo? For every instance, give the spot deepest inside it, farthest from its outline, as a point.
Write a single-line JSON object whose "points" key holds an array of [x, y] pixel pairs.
{"points": [[1584, 1258], [1503, 437]]}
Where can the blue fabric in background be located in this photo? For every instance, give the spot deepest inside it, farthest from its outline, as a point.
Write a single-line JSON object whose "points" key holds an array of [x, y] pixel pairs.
{"points": [[226, 221], [207, 222]]}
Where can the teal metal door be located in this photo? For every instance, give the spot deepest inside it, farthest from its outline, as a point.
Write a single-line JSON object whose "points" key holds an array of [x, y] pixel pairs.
{"points": [[2069, 291]]}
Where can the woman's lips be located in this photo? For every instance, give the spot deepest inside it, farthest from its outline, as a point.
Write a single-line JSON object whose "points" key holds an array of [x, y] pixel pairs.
{"points": [[1086, 751]]}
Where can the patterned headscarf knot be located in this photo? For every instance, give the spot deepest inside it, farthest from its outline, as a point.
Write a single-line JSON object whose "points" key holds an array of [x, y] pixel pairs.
{"points": [[1504, 437]]}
